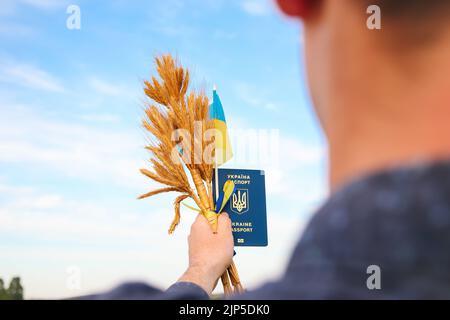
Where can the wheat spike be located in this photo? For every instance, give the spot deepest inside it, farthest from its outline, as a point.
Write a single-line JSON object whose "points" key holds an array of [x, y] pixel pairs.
{"points": [[157, 191], [176, 219]]}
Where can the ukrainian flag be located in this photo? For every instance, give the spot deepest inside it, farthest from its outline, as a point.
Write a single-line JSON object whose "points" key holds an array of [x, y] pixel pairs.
{"points": [[222, 140]]}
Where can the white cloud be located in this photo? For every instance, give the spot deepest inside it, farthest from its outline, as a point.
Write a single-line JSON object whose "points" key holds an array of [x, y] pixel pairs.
{"points": [[7, 8], [76, 151], [11, 7], [270, 146], [29, 76], [11, 29], [26, 198], [295, 153], [45, 4], [109, 118], [169, 10], [256, 7], [106, 88], [13, 190], [87, 234], [290, 178], [48, 201], [254, 97], [68, 220]]}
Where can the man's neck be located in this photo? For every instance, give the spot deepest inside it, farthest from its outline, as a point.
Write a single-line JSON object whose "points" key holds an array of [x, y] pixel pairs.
{"points": [[399, 119], [360, 156]]}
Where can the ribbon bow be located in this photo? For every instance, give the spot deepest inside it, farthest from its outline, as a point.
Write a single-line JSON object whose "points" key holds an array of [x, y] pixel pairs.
{"points": [[224, 196]]}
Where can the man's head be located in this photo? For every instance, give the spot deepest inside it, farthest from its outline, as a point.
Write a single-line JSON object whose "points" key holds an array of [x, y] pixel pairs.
{"points": [[373, 88]]}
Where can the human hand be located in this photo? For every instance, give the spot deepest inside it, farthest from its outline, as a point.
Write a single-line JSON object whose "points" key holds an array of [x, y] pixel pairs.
{"points": [[210, 254]]}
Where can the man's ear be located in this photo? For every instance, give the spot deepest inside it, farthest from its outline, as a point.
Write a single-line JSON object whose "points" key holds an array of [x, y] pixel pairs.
{"points": [[295, 8]]}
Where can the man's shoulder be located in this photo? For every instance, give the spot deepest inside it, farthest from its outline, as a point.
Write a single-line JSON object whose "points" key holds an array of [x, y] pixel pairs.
{"points": [[397, 221], [415, 194]]}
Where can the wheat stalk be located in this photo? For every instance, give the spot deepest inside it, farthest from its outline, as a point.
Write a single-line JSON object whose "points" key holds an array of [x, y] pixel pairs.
{"points": [[171, 109]]}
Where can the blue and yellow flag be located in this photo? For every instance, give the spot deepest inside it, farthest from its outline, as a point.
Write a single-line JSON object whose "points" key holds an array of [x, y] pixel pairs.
{"points": [[222, 140]]}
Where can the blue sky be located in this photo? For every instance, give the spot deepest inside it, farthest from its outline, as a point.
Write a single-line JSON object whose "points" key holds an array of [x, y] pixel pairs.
{"points": [[71, 142]]}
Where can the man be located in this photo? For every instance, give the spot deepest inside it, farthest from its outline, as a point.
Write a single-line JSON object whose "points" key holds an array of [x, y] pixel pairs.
{"points": [[383, 100]]}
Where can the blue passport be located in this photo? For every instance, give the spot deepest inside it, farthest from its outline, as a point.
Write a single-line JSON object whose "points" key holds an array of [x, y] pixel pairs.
{"points": [[247, 206]]}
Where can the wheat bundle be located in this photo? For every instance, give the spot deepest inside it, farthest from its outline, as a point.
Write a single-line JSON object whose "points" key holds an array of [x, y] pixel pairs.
{"points": [[178, 121]]}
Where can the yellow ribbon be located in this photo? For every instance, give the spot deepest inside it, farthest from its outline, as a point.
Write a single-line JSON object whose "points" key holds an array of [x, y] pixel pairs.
{"points": [[190, 207], [210, 215], [228, 189]]}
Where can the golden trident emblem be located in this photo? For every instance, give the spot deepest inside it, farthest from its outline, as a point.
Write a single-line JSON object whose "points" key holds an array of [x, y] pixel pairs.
{"points": [[240, 201]]}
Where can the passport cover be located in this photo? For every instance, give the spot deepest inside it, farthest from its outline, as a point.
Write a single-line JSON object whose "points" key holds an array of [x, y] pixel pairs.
{"points": [[247, 206]]}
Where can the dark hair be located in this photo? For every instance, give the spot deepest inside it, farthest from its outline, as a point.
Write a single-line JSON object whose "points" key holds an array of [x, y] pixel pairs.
{"points": [[410, 10]]}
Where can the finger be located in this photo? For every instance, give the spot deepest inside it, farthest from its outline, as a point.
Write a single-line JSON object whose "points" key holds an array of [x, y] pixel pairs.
{"points": [[199, 217], [199, 222], [224, 222]]}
